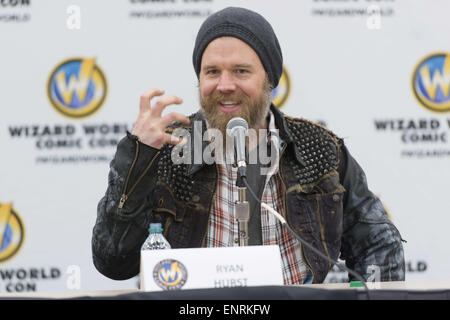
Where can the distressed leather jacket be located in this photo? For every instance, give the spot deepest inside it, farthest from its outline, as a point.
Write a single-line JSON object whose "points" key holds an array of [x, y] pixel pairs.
{"points": [[327, 203]]}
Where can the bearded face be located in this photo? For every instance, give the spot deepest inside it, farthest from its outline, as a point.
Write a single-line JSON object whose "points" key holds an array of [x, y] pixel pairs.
{"points": [[233, 83], [253, 109]]}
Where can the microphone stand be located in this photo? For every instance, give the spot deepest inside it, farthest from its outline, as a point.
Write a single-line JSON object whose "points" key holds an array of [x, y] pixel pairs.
{"points": [[242, 208]]}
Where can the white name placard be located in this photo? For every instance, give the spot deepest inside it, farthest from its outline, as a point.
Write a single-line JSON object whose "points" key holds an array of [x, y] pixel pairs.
{"points": [[197, 268]]}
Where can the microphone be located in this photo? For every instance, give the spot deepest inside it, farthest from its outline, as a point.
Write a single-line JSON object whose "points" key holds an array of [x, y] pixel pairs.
{"points": [[237, 127]]}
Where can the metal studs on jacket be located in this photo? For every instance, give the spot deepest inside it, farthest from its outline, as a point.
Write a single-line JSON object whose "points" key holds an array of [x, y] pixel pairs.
{"points": [[317, 148], [174, 175]]}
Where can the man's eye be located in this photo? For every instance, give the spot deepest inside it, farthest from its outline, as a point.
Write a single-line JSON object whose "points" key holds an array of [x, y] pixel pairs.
{"points": [[211, 71], [241, 71]]}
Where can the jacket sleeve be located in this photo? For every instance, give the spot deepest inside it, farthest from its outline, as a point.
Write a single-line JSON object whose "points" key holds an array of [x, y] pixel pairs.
{"points": [[121, 228], [370, 241]]}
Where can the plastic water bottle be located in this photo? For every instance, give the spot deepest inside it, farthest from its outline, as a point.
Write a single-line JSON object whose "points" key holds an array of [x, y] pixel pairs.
{"points": [[155, 239]]}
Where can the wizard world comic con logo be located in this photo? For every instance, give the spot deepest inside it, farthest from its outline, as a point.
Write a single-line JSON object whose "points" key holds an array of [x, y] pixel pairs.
{"points": [[170, 274], [431, 82], [11, 232], [77, 87]]}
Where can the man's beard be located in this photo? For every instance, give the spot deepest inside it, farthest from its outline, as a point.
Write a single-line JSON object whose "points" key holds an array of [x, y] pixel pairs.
{"points": [[254, 112]]}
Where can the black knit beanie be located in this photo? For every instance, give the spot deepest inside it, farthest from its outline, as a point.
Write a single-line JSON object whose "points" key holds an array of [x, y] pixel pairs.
{"points": [[247, 26]]}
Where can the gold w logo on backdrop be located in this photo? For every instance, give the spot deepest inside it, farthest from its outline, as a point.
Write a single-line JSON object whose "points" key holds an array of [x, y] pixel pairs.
{"points": [[438, 79], [75, 84], [11, 231]]}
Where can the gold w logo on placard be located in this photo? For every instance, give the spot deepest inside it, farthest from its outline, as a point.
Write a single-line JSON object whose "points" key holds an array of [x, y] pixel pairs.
{"points": [[171, 276]]}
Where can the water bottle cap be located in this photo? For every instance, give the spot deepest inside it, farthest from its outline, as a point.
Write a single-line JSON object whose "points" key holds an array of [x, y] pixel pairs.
{"points": [[155, 227]]}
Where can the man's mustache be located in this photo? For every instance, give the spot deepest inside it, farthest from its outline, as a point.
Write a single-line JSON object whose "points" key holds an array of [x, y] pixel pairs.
{"points": [[220, 97]]}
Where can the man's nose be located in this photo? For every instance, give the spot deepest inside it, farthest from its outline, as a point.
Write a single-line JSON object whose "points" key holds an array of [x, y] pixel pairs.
{"points": [[226, 83]]}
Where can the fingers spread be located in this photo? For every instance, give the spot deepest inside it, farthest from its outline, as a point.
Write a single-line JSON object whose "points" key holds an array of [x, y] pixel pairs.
{"points": [[163, 102], [144, 103]]}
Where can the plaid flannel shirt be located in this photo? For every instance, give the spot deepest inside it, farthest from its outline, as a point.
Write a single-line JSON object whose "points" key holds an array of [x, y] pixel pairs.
{"points": [[223, 226]]}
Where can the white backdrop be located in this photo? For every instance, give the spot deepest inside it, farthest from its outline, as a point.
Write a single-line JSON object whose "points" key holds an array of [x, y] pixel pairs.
{"points": [[350, 66]]}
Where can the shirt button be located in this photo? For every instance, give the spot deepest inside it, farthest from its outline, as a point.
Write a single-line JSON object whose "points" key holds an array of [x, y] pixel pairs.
{"points": [[196, 198], [335, 197], [236, 240]]}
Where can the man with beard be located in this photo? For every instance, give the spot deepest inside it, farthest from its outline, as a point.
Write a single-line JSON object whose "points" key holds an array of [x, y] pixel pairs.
{"points": [[318, 187]]}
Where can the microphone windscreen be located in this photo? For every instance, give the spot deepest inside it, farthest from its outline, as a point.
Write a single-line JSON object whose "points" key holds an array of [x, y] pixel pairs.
{"points": [[237, 122]]}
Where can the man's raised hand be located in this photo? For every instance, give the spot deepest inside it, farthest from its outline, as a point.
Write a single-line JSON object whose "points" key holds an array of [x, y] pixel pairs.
{"points": [[150, 125]]}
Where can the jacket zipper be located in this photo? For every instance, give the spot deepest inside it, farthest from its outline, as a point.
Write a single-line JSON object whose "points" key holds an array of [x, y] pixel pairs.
{"points": [[322, 233], [125, 195], [307, 263]]}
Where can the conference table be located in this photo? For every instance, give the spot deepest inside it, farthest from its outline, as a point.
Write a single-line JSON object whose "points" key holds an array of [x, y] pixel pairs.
{"points": [[395, 290]]}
